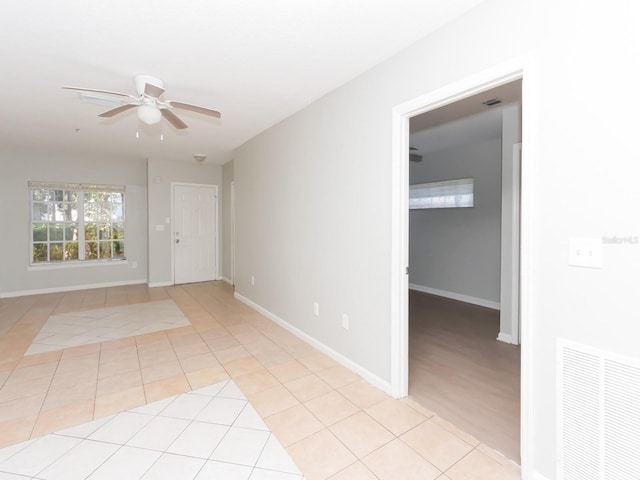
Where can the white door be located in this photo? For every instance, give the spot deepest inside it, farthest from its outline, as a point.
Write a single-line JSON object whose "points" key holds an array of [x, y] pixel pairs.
{"points": [[195, 239]]}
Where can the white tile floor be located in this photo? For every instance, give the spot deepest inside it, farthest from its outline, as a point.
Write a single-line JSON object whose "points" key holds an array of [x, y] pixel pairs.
{"points": [[209, 433], [93, 326]]}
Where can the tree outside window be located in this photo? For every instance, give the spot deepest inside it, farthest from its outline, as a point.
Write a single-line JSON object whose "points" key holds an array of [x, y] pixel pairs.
{"points": [[76, 223]]}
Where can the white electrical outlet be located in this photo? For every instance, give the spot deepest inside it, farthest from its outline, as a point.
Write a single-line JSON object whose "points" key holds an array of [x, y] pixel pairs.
{"points": [[253, 280], [345, 321], [316, 309]]}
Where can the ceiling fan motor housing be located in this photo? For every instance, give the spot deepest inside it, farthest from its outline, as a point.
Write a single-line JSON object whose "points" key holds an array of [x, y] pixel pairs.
{"points": [[141, 80]]}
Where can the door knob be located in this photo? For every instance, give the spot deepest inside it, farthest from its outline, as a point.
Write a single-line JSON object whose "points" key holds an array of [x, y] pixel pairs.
{"points": [[177, 240]]}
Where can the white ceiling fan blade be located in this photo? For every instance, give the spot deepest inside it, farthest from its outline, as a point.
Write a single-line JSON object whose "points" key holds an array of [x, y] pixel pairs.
{"points": [[195, 108], [81, 89], [117, 110], [173, 119]]}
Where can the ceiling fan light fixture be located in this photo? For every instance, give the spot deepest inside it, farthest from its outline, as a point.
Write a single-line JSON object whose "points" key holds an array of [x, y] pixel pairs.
{"points": [[149, 114], [199, 157]]}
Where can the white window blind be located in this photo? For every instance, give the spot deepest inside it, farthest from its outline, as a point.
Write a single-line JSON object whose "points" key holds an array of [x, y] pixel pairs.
{"points": [[446, 194]]}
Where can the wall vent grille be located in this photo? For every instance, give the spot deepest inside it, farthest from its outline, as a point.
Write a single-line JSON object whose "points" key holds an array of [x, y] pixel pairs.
{"points": [[599, 414]]}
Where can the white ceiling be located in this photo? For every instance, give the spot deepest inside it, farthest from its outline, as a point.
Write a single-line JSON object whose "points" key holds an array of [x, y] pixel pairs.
{"points": [[256, 61], [463, 122]]}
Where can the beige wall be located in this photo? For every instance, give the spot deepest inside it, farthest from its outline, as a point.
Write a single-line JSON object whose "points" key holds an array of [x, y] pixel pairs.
{"points": [[19, 167], [314, 192]]}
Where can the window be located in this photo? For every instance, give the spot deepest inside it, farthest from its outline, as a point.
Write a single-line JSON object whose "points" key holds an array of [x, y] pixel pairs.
{"points": [[447, 194], [72, 222]]}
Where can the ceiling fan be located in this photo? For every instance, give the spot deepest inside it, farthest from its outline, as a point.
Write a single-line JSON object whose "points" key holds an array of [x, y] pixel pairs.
{"points": [[151, 108], [413, 156]]}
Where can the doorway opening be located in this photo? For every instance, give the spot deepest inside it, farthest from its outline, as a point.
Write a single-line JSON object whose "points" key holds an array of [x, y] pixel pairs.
{"points": [[481, 82], [464, 265]]}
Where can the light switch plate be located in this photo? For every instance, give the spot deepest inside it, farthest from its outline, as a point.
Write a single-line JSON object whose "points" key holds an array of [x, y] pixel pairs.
{"points": [[585, 252]]}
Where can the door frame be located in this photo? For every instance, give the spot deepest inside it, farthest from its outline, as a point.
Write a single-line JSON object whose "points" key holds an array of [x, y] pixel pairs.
{"points": [[515, 244], [173, 228], [233, 231], [515, 69], [510, 250]]}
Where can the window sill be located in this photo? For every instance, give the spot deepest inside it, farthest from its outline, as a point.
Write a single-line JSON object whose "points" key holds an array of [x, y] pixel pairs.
{"points": [[76, 264]]}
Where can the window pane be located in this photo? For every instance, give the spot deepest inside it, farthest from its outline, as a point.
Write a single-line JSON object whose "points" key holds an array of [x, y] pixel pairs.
{"points": [[105, 249], [71, 196], [446, 194], [91, 250], [105, 212], [117, 197], [56, 253], [66, 212], [118, 249], [118, 230], [96, 196], [39, 232], [104, 233], [71, 251], [42, 211], [40, 252], [71, 232], [117, 212], [91, 211], [39, 194], [55, 231], [91, 231], [58, 195]]}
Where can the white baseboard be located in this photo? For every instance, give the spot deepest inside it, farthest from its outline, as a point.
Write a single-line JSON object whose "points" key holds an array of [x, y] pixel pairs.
{"points": [[338, 357], [504, 337], [225, 279], [160, 284], [70, 288], [456, 296]]}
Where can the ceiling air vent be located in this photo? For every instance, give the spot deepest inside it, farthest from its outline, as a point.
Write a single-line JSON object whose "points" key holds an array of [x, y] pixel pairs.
{"points": [[492, 101]]}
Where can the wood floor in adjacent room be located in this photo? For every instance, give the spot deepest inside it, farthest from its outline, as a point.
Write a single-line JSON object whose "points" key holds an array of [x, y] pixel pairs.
{"points": [[461, 372]]}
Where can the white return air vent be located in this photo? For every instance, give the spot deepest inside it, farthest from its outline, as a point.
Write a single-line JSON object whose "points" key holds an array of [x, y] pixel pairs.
{"points": [[598, 414]]}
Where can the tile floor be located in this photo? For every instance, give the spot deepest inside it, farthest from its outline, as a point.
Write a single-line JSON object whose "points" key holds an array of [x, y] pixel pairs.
{"points": [[94, 326], [333, 424], [209, 433]]}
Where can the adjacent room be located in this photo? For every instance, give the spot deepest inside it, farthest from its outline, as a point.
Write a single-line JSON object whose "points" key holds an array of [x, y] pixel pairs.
{"points": [[464, 361]]}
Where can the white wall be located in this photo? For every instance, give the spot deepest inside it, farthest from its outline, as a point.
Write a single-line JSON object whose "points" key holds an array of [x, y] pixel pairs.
{"points": [[227, 178], [314, 191], [19, 167], [457, 250], [160, 175]]}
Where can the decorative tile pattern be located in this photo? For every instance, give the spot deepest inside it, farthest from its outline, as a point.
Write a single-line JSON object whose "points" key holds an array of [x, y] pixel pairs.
{"points": [[195, 435], [94, 326]]}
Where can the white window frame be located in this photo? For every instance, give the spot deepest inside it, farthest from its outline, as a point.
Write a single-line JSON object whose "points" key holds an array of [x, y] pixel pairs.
{"points": [[80, 221], [446, 194]]}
